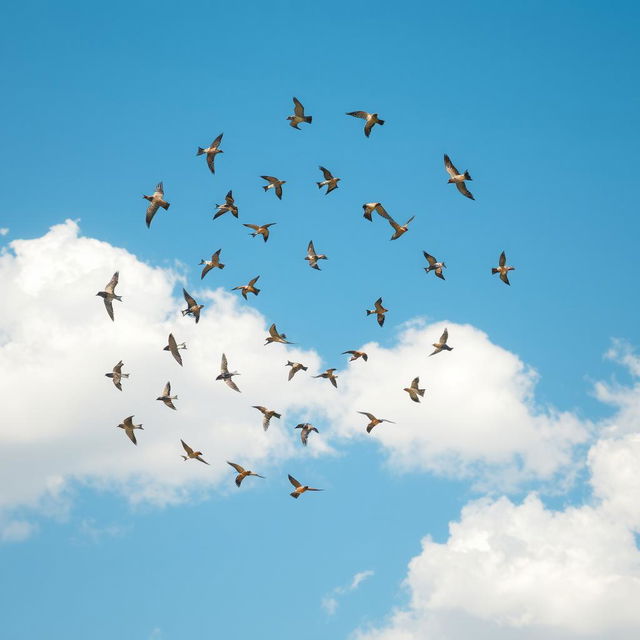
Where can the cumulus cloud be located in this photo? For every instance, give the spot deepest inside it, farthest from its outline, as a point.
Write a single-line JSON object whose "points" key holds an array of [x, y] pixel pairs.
{"points": [[330, 602]]}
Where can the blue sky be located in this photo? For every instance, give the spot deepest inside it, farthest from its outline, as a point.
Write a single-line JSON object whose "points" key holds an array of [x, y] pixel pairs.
{"points": [[537, 100]]}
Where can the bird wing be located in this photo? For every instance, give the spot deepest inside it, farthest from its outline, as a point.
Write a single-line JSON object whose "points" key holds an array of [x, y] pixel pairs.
{"points": [[232, 385], [229, 198], [444, 337], [311, 250], [173, 348], [293, 481], [326, 173], [369, 415], [128, 422], [109, 307], [255, 227], [131, 435], [430, 259], [118, 367], [187, 448], [279, 191], [504, 277], [160, 188], [223, 364], [462, 188], [415, 383], [358, 114], [503, 259], [205, 270], [265, 421], [298, 109], [439, 273], [167, 389], [111, 285], [448, 165], [190, 301], [368, 127], [151, 211], [273, 332], [211, 161], [408, 222], [216, 143], [378, 306], [270, 179], [237, 467]]}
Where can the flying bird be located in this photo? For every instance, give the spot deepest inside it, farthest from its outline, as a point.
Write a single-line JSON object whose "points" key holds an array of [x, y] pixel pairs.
{"points": [[242, 473], [174, 348], [116, 375], [191, 454], [212, 151], [166, 396], [369, 208], [329, 181], [373, 421], [370, 118], [214, 263], [379, 310], [274, 336], [398, 229], [193, 308], [109, 295], [267, 415], [229, 205], [329, 375], [248, 288], [274, 184], [313, 257], [155, 201], [298, 117], [414, 391], [434, 265], [503, 269], [306, 429], [226, 375], [458, 178], [299, 489], [295, 367], [442, 345], [260, 230], [129, 427], [356, 354]]}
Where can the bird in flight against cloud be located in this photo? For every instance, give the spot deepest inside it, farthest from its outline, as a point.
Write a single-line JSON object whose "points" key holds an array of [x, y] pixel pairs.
{"points": [[434, 265], [298, 116], [458, 178], [155, 202], [227, 375], [129, 427], [414, 390], [295, 367], [503, 269], [373, 421], [166, 396], [191, 454], [371, 119], [212, 151], [329, 181], [174, 348], [229, 205], [242, 473], [329, 375], [248, 288], [274, 336], [306, 429], [299, 488], [116, 375], [313, 257], [193, 308], [274, 184], [267, 414], [109, 294], [356, 354], [378, 310], [214, 263], [442, 344]]}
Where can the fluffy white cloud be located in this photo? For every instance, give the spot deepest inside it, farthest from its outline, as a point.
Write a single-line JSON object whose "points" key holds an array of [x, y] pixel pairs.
{"points": [[330, 602]]}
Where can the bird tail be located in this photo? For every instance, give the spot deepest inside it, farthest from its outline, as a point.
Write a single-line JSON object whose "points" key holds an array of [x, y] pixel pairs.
{"points": [[117, 298], [184, 457], [421, 392], [200, 151], [165, 205], [370, 312], [184, 312], [265, 187], [467, 176], [277, 415], [494, 271], [257, 290], [319, 185], [380, 121], [308, 119], [294, 495], [220, 265], [124, 375]]}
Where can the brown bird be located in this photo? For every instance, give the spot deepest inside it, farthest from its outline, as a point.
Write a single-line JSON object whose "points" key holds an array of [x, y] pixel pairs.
{"points": [[191, 454], [379, 310], [370, 207], [373, 421], [267, 415], [193, 308], [274, 336], [442, 345], [212, 151], [370, 118], [128, 426], [260, 230], [329, 181], [306, 429], [274, 184], [434, 265], [298, 117], [242, 473], [174, 348], [116, 375], [299, 489], [356, 354], [398, 229], [166, 396], [214, 263], [330, 376], [248, 288], [229, 205], [155, 201], [457, 178], [295, 367], [226, 375], [414, 391], [313, 257], [109, 295], [503, 269]]}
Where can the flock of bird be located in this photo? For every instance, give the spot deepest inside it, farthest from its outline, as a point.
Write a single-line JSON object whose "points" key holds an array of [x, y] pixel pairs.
{"points": [[193, 309]]}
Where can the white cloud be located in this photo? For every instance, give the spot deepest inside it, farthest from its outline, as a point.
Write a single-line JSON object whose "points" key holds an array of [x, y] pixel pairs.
{"points": [[330, 602]]}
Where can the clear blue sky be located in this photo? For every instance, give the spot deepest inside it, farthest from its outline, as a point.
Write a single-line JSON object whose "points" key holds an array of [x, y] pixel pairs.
{"points": [[539, 101]]}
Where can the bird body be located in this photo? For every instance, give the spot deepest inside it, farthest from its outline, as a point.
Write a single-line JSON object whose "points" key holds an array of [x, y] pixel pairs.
{"points": [[129, 428], [298, 116], [242, 473], [260, 230], [329, 375], [248, 288], [434, 265], [356, 354], [267, 414], [442, 344], [373, 421], [399, 230], [109, 295], [313, 257], [295, 367], [211, 152], [329, 181], [155, 202], [457, 178], [414, 391], [300, 488], [274, 184], [174, 348], [370, 119], [191, 454], [369, 208], [193, 308], [229, 205], [274, 336], [306, 429], [116, 375], [214, 263], [166, 396], [503, 269], [227, 375], [378, 310]]}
